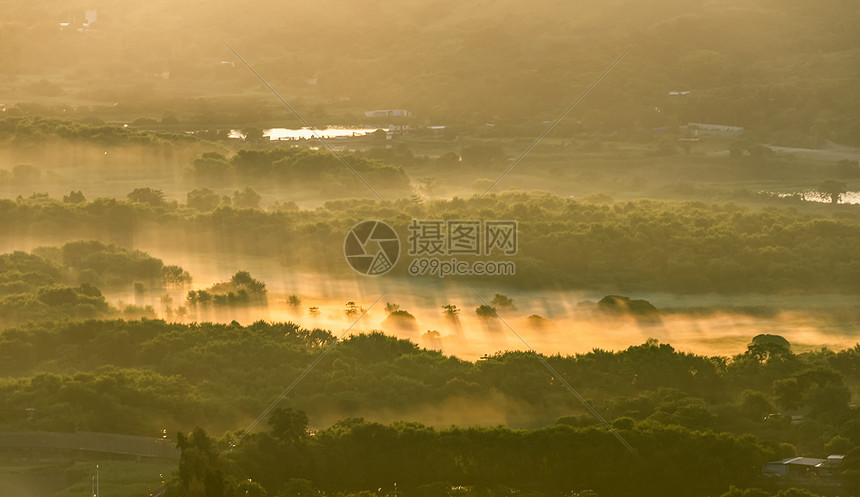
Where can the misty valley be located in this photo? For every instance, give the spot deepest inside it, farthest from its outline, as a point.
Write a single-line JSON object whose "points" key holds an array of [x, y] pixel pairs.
{"points": [[430, 249]]}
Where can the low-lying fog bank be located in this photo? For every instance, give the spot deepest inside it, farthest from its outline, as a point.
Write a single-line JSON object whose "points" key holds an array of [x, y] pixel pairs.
{"points": [[550, 321]]}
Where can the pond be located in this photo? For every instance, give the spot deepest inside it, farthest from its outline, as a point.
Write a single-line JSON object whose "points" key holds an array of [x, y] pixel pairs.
{"points": [[308, 133], [814, 196]]}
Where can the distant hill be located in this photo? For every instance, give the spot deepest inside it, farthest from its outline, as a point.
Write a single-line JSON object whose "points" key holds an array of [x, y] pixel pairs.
{"points": [[787, 70]]}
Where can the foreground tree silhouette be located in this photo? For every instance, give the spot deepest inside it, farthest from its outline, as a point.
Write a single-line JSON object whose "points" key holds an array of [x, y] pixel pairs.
{"points": [[200, 474]]}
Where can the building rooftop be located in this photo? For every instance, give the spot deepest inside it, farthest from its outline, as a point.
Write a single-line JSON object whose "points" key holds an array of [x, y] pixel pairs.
{"points": [[801, 461]]}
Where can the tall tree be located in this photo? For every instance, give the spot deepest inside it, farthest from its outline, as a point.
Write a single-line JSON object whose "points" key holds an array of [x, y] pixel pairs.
{"points": [[200, 474]]}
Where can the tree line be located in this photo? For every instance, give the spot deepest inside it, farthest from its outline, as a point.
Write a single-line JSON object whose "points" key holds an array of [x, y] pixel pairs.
{"points": [[66, 282], [621, 247], [229, 372]]}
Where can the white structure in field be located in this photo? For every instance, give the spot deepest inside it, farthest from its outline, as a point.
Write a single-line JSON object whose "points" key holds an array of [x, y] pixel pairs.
{"points": [[387, 113]]}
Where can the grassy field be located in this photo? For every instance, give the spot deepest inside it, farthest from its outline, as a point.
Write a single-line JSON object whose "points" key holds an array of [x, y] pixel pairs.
{"points": [[67, 476]]}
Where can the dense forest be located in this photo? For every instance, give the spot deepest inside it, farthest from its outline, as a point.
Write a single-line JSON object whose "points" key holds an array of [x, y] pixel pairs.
{"points": [[675, 169], [685, 414], [615, 247], [66, 282], [361, 458]]}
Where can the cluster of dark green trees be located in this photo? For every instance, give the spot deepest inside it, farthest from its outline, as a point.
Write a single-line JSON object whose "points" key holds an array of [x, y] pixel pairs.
{"points": [[107, 265], [698, 423], [33, 288], [682, 448], [26, 132], [355, 456], [613, 247], [175, 376], [61, 142], [65, 282], [298, 167], [242, 289]]}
